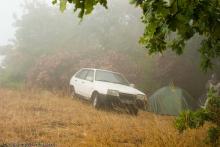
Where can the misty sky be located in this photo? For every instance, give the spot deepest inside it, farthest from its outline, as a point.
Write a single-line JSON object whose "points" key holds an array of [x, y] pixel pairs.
{"points": [[7, 9]]}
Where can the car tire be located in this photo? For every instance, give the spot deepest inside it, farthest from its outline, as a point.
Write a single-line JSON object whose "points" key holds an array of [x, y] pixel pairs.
{"points": [[133, 110], [96, 100], [72, 92]]}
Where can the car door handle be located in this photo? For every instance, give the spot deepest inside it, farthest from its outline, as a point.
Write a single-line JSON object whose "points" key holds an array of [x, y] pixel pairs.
{"points": [[75, 80]]}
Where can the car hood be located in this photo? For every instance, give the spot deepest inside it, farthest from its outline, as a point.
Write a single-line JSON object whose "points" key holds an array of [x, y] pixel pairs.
{"points": [[103, 87]]}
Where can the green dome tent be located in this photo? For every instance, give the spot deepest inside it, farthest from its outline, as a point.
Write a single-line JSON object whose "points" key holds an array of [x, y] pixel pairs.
{"points": [[171, 101]]}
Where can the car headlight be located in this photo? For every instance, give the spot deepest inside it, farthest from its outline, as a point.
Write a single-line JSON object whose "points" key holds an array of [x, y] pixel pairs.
{"points": [[113, 93], [141, 97]]}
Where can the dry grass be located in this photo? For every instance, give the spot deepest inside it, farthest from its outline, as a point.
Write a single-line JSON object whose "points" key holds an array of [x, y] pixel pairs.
{"points": [[29, 117]]}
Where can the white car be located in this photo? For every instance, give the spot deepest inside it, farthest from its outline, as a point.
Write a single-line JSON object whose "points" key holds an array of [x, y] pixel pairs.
{"points": [[106, 88]]}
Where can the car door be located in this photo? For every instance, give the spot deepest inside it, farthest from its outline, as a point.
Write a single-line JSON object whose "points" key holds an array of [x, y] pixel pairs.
{"points": [[79, 81], [88, 84]]}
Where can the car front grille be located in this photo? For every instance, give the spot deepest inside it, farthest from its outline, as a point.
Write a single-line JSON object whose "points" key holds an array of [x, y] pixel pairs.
{"points": [[125, 96]]}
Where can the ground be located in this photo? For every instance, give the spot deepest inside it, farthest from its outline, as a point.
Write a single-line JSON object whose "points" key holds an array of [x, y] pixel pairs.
{"points": [[43, 117]]}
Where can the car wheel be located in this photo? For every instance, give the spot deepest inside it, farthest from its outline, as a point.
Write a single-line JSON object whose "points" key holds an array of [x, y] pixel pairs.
{"points": [[96, 101], [133, 109], [72, 92]]}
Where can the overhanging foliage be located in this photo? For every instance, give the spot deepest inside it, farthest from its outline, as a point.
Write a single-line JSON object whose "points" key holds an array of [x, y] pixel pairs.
{"points": [[162, 17]]}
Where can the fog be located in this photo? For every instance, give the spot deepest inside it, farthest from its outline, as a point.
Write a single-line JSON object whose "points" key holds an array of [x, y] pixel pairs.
{"points": [[44, 48], [49, 97], [8, 9]]}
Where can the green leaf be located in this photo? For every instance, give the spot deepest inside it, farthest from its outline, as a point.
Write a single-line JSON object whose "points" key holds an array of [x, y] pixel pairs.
{"points": [[54, 2], [89, 6], [63, 5]]}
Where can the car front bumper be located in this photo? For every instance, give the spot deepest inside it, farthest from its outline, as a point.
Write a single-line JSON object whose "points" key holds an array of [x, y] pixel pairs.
{"points": [[122, 100]]}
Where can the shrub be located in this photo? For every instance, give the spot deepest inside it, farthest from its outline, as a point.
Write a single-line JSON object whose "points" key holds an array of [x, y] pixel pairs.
{"points": [[210, 112], [53, 72]]}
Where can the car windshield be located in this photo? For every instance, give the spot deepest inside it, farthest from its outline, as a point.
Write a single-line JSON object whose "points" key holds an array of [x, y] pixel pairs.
{"points": [[111, 77]]}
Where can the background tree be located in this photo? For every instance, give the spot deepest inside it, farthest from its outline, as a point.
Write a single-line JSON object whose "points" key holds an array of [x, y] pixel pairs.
{"points": [[57, 32]]}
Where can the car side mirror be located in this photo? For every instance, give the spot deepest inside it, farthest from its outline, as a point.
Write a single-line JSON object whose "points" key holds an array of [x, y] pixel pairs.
{"points": [[132, 85]]}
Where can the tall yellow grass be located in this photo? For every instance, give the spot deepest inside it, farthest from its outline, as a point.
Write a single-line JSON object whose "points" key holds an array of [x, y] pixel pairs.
{"points": [[33, 117]]}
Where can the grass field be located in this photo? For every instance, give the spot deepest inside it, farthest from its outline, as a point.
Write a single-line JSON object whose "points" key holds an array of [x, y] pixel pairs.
{"points": [[43, 117]]}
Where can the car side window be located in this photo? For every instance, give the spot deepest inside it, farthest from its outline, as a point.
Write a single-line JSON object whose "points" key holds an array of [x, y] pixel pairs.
{"points": [[90, 75], [78, 74], [82, 74]]}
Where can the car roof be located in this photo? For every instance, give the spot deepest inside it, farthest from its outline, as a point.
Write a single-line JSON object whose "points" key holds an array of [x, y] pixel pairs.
{"points": [[100, 70]]}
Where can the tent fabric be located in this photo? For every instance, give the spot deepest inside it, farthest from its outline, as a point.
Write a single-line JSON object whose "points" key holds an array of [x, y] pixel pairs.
{"points": [[171, 101]]}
